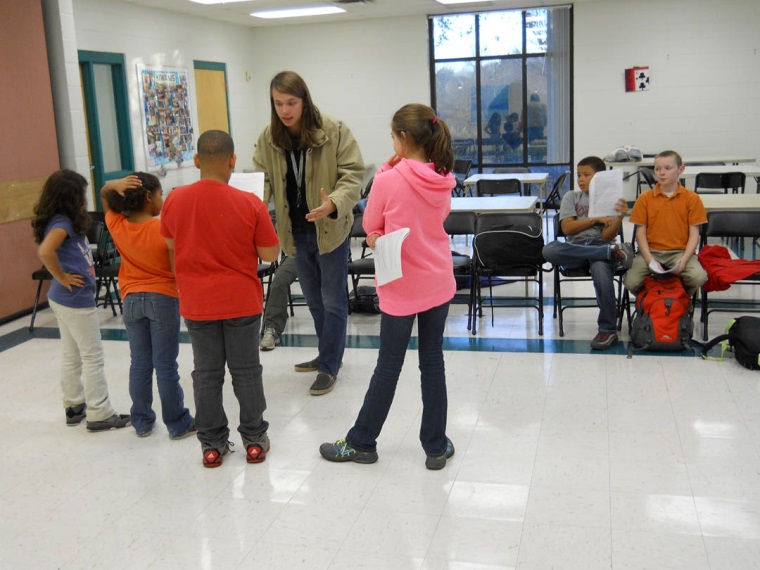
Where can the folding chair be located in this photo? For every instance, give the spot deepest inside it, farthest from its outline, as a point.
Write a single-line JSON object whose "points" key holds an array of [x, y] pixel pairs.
{"points": [[499, 187], [508, 247], [563, 274], [730, 225]]}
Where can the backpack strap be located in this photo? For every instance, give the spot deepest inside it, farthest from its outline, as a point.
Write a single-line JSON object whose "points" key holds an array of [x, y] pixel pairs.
{"points": [[723, 340]]}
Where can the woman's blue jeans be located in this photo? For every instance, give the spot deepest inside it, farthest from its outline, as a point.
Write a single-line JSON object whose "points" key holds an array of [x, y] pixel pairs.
{"points": [[395, 333], [323, 279], [152, 323]]}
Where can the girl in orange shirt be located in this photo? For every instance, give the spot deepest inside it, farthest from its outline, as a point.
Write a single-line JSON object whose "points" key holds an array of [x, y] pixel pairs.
{"points": [[151, 302]]}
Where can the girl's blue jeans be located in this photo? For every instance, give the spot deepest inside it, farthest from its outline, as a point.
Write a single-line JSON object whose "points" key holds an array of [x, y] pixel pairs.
{"points": [[395, 333], [152, 322]]}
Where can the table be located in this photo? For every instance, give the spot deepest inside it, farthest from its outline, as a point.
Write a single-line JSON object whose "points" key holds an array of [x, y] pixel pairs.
{"points": [[713, 202], [649, 162], [750, 170], [500, 204], [537, 178]]}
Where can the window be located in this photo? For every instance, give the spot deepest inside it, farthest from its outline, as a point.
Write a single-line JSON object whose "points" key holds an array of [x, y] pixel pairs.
{"points": [[501, 81]]}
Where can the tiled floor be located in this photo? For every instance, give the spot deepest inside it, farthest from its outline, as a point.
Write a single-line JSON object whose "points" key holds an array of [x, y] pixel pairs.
{"points": [[565, 459]]}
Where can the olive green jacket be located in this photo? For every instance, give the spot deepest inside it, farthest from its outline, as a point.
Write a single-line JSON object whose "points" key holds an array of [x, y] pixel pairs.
{"points": [[334, 164]]}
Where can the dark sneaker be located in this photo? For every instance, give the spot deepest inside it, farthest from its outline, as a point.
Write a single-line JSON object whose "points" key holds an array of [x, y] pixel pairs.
{"points": [[187, 433], [341, 452], [624, 255], [604, 340], [212, 456], [270, 340], [436, 462], [323, 384], [116, 421], [75, 414], [310, 366], [145, 432], [256, 451]]}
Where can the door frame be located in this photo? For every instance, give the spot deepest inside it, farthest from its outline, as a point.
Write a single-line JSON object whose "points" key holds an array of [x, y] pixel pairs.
{"points": [[87, 60], [215, 66]]}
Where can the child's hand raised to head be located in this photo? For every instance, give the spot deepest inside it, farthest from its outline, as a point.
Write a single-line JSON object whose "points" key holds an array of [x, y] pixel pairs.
{"points": [[394, 160], [122, 185]]}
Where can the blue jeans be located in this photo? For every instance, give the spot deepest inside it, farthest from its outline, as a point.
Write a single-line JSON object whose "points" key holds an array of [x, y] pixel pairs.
{"points": [[395, 333], [152, 323], [234, 342], [323, 281], [596, 254]]}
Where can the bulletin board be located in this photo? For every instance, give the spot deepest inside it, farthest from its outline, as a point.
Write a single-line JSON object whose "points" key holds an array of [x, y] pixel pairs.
{"points": [[167, 122]]}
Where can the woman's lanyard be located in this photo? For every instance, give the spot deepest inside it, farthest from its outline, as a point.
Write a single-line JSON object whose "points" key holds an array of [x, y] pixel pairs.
{"points": [[298, 171]]}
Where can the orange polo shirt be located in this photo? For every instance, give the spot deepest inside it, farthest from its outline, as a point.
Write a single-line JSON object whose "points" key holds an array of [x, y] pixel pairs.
{"points": [[667, 218]]}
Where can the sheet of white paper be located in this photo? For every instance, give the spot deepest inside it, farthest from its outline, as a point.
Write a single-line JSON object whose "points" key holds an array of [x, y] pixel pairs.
{"points": [[248, 182], [388, 256], [655, 267], [605, 189]]}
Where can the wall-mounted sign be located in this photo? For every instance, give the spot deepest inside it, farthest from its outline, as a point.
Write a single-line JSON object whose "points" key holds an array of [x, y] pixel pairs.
{"points": [[637, 79]]}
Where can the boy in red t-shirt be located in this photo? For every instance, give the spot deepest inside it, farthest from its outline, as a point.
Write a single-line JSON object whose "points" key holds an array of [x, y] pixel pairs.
{"points": [[216, 236], [668, 218]]}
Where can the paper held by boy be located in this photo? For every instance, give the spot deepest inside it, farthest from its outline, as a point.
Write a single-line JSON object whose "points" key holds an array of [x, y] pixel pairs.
{"points": [[252, 182], [605, 189]]}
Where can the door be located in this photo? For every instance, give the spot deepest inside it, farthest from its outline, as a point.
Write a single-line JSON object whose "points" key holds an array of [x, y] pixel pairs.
{"points": [[211, 94], [104, 87]]}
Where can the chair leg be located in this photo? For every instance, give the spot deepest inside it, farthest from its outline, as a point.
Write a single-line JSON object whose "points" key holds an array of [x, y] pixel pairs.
{"points": [[540, 303], [36, 305], [705, 315]]}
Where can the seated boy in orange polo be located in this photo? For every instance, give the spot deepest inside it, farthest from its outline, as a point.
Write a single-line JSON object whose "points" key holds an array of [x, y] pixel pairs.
{"points": [[668, 218]]}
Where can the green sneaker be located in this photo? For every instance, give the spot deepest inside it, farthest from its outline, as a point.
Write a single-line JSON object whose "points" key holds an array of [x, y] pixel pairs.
{"points": [[341, 452], [436, 462]]}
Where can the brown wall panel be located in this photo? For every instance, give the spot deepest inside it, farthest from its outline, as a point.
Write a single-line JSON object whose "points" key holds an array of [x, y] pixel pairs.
{"points": [[29, 152]]}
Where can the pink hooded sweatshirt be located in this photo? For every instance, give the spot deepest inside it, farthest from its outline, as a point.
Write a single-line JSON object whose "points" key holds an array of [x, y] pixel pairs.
{"points": [[413, 195]]}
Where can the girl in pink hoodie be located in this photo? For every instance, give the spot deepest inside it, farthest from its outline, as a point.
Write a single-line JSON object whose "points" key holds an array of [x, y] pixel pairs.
{"points": [[412, 190]]}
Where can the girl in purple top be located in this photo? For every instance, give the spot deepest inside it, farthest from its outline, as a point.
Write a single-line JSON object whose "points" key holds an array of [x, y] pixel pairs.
{"points": [[59, 223], [412, 190]]}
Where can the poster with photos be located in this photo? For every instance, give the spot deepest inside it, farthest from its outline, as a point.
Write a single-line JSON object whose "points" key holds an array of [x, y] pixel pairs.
{"points": [[167, 122]]}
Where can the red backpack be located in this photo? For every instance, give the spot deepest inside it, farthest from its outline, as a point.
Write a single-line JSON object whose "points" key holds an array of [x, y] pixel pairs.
{"points": [[663, 316]]}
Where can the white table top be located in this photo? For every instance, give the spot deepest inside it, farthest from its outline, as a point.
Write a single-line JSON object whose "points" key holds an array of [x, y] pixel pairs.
{"points": [[523, 177], [686, 161], [730, 201], [748, 169], [501, 204]]}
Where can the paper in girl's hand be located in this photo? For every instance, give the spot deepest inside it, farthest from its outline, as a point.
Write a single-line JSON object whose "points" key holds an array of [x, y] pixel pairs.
{"points": [[388, 256]]}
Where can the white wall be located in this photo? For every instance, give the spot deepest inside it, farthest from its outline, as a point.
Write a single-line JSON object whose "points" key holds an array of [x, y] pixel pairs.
{"points": [[360, 72], [703, 57], [704, 62], [153, 37]]}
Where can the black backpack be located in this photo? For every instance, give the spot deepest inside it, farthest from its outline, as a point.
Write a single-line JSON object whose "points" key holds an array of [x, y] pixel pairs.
{"points": [[510, 246], [364, 300], [743, 338]]}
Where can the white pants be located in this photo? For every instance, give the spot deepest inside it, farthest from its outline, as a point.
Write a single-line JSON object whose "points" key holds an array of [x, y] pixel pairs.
{"points": [[83, 377]]}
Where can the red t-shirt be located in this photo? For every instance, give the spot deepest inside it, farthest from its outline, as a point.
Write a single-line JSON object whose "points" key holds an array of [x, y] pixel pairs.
{"points": [[216, 229], [145, 265]]}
